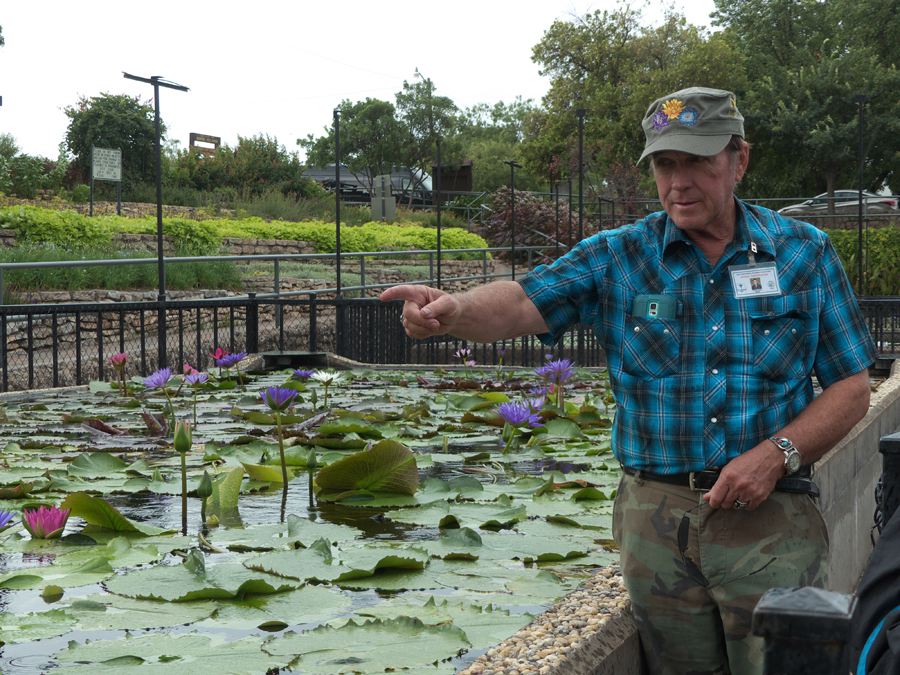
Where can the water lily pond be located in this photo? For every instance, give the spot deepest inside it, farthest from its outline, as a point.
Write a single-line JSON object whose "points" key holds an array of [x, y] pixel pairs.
{"points": [[418, 527]]}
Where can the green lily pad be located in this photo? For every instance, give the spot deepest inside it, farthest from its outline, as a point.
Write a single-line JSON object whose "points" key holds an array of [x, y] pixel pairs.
{"points": [[370, 647], [387, 467]]}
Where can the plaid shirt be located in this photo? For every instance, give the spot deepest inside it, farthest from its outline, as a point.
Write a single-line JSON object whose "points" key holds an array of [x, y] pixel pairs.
{"points": [[696, 391]]}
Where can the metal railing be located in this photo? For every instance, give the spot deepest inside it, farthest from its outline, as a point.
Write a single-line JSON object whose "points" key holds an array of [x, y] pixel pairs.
{"points": [[58, 344]]}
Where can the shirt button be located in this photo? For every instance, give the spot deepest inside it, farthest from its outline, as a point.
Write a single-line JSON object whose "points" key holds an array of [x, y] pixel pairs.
{"points": [[793, 330], [713, 419], [666, 331], [715, 328], [766, 332], [715, 371], [712, 281], [637, 329]]}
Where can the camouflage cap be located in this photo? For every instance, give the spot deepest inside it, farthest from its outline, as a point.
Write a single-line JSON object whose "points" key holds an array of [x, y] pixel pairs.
{"points": [[698, 120]]}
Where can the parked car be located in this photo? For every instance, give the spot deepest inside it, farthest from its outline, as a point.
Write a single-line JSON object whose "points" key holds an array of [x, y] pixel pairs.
{"points": [[845, 201]]}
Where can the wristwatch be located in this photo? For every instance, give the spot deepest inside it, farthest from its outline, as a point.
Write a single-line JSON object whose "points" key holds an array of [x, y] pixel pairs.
{"points": [[792, 458]]}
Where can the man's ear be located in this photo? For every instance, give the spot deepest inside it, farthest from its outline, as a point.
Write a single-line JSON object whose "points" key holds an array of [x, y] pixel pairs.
{"points": [[743, 160]]}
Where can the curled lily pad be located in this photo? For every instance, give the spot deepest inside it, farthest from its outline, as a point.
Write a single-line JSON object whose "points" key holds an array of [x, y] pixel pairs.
{"points": [[388, 467]]}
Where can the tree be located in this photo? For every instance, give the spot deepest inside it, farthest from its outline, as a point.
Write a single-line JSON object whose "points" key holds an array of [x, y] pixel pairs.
{"points": [[9, 146], [806, 63], [425, 119], [489, 135], [614, 66], [370, 141], [114, 121]]}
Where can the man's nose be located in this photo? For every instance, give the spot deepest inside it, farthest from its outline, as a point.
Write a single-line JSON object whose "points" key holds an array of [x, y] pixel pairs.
{"points": [[682, 179]]}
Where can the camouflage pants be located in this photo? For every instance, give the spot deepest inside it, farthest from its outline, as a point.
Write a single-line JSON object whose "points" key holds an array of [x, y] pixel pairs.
{"points": [[686, 627]]}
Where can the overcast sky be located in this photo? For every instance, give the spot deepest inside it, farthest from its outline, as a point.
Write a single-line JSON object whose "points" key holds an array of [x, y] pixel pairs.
{"points": [[277, 67]]}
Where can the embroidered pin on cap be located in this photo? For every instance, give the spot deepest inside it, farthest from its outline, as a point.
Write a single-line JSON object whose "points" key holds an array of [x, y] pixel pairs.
{"points": [[698, 120]]}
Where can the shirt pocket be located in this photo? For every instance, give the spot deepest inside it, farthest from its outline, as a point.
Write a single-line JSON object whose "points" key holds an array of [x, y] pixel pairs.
{"points": [[780, 351], [651, 347]]}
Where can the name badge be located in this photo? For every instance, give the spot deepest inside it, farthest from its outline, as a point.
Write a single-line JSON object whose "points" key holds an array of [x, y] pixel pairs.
{"points": [[755, 280]]}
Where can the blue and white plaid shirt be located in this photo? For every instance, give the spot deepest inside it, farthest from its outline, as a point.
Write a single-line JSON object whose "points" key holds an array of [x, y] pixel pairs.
{"points": [[696, 391]]}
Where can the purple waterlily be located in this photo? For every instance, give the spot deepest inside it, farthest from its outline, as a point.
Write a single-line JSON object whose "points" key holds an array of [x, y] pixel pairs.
{"points": [[303, 373], [234, 359], [517, 414], [44, 523], [278, 399], [158, 380], [195, 379], [6, 519], [560, 370]]}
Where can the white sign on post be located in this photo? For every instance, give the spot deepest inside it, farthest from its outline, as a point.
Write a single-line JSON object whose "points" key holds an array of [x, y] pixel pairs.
{"points": [[106, 164]]}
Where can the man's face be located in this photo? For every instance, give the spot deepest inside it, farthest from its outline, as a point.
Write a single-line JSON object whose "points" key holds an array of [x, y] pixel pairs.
{"points": [[697, 192]]}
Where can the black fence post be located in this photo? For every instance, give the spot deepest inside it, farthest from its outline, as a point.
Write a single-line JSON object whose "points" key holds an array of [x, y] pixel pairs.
{"points": [[252, 324], [162, 333], [807, 631], [313, 336], [889, 447]]}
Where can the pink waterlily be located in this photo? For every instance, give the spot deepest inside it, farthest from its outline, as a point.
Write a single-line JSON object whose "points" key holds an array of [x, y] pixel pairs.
{"points": [[119, 361], [46, 523]]}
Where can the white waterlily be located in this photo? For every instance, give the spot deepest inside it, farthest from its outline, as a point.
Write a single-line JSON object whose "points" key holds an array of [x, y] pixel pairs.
{"points": [[328, 377]]}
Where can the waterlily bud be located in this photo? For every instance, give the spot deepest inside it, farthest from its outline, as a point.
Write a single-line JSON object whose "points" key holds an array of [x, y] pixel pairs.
{"points": [[205, 488], [311, 463], [183, 439], [508, 432]]}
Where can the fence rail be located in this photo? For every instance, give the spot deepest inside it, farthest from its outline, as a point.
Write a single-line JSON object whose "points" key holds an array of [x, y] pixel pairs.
{"points": [[45, 346]]}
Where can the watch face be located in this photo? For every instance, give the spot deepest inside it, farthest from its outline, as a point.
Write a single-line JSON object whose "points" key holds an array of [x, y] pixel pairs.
{"points": [[792, 461]]}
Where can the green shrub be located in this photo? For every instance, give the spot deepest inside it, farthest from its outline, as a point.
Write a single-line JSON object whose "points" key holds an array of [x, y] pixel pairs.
{"points": [[197, 237], [257, 164], [883, 277], [27, 175], [69, 229], [66, 229]]}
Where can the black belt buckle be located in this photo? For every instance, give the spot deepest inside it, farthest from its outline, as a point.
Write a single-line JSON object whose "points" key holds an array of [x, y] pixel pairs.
{"points": [[702, 481]]}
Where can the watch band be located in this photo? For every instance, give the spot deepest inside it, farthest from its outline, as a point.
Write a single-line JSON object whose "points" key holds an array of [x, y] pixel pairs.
{"points": [[792, 458]]}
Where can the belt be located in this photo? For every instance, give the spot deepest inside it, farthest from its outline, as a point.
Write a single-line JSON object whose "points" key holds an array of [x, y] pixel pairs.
{"points": [[702, 481]]}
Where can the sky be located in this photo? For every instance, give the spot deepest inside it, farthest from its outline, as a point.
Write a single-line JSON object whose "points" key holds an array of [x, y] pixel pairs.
{"points": [[275, 67]]}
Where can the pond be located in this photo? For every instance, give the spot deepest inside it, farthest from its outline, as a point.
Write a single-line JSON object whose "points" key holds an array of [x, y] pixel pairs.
{"points": [[431, 531]]}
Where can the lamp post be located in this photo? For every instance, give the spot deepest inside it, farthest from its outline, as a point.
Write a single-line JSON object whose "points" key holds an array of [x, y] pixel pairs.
{"points": [[157, 81], [860, 100], [437, 179], [580, 113], [419, 76], [512, 209], [337, 198]]}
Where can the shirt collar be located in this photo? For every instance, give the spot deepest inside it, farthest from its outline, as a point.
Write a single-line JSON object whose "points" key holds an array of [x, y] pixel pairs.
{"points": [[749, 228]]}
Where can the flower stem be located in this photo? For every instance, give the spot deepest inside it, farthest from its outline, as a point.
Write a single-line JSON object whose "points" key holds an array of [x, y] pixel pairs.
{"points": [[184, 492], [281, 449]]}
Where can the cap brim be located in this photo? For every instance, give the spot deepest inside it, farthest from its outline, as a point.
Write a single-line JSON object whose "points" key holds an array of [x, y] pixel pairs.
{"points": [[694, 144]]}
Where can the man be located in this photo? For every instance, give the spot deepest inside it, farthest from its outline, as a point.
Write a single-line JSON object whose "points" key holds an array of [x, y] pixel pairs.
{"points": [[716, 421]]}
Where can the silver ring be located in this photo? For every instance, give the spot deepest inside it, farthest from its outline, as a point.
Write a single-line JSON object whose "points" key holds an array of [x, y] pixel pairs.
{"points": [[738, 504], [401, 320]]}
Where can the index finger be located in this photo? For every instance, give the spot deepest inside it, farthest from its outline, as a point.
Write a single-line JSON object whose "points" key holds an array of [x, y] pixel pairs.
{"points": [[407, 292]]}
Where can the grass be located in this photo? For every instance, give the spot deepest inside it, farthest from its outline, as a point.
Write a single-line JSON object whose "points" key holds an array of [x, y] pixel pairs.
{"points": [[179, 276]]}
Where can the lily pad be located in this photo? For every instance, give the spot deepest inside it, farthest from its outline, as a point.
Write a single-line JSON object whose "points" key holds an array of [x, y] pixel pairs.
{"points": [[370, 647], [388, 467]]}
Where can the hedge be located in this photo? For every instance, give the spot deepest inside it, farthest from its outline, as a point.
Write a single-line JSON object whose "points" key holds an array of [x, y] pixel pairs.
{"points": [[70, 229]]}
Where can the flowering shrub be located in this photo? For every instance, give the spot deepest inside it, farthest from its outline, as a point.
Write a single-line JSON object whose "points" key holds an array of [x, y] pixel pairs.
{"points": [[535, 225]]}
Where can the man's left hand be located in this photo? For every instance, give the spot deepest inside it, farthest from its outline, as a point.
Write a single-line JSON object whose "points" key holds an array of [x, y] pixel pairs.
{"points": [[748, 478]]}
